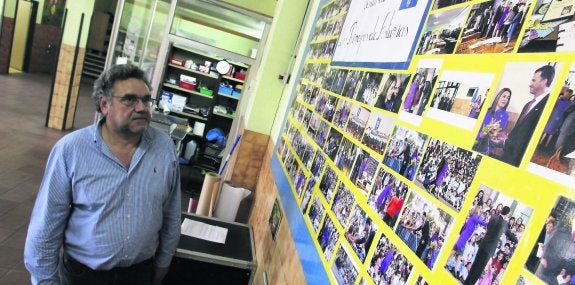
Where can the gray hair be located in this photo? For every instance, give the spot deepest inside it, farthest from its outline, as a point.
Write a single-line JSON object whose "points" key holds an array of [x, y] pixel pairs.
{"points": [[104, 85]]}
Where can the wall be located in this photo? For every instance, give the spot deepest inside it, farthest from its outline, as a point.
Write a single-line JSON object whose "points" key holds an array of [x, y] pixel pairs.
{"points": [[532, 188]]}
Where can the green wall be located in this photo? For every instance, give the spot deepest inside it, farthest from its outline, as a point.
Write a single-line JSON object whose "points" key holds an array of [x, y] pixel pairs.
{"points": [[263, 107], [75, 10]]}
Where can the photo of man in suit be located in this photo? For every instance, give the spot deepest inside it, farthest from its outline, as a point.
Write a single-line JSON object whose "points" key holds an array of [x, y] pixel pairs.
{"points": [[518, 138]]}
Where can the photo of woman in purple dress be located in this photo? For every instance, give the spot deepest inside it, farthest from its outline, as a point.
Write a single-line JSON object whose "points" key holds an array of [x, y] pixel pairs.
{"points": [[494, 123]]}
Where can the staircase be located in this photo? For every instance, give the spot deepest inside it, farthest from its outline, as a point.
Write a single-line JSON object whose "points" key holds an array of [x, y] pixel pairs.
{"points": [[94, 64]]}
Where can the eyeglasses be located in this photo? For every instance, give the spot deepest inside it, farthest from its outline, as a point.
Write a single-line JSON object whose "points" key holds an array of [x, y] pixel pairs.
{"points": [[132, 100]]}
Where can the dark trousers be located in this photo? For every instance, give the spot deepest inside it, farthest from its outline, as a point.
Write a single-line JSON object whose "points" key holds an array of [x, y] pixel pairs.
{"points": [[74, 272], [478, 266]]}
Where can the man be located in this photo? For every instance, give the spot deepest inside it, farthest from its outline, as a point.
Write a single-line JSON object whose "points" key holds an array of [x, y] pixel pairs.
{"points": [[495, 228], [424, 240], [365, 240], [110, 196], [518, 138]]}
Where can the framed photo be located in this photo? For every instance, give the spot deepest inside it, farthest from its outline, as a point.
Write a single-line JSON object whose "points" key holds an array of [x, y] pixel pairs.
{"points": [[275, 219]]}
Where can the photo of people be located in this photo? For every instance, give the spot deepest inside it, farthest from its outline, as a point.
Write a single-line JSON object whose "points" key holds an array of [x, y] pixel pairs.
{"points": [[332, 143], [344, 269], [489, 238], [389, 97], [327, 183], [308, 191], [275, 219], [363, 171], [328, 29], [388, 265], [329, 109], [387, 197], [327, 237], [528, 85], [330, 78], [342, 204], [421, 281], [360, 232], [356, 124], [342, 114], [442, 31], [378, 131], [351, 83], [345, 156], [321, 102], [548, 30], [337, 85], [459, 97], [522, 281], [367, 92], [438, 4], [446, 172], [419, 91], [554, 157], [494, 122], [493, 27], [315, 213], [303, 148], [552, 259], [404, 151], [423, 227]]}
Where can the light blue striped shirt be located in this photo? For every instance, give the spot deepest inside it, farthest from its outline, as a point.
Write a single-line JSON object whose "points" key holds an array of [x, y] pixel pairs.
{"points": [[104, 214]]}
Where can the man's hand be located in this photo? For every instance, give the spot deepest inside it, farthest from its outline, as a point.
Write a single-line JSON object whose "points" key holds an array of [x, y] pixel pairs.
{"points": [[159, 275]]}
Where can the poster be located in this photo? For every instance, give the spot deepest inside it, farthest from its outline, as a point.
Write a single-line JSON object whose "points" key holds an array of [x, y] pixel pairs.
{"points": [[405, 161]]}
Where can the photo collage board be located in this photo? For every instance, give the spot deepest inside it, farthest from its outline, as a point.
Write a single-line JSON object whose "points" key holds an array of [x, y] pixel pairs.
{"points": [[433, 142]]}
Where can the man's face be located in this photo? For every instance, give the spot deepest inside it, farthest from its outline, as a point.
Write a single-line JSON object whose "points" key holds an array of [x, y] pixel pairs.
{"points": [[393, 89], [127, 120], [538, 84]]}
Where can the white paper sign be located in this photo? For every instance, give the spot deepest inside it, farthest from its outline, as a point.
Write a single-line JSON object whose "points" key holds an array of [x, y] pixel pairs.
{"points": [[204, 231], [380, 33]]}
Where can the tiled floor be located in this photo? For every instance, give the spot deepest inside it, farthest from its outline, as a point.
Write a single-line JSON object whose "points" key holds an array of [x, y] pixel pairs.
{"points": [[24, 146]]}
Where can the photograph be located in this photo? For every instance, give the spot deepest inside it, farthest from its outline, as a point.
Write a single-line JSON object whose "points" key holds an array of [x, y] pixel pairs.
{"points": [[303, 148], [439, 4], [329, 78], [275, 219], [345, 156], [378, 131], [328, 183], [315, 213], [329, 108], [552, 259], [332, 143], [388, 265], [344, 269], [404, 151], [387, 197], [554, 157], [360, 232], [419, 91], [493, 27], [489, 237], [525, 86], [363, 171], [321, 102], [327, 237], [442, 31], [342, 204], [458, 97], [338, 81], [367, 91], [550, 29], [351, 83], [446, 172], [389, 98], [423, 227], [341, 115], [357, 122], [308, 191], [523, 281]]}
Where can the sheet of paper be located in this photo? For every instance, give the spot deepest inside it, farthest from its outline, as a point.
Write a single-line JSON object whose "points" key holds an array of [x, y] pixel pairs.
{"points": [[204, 231], [570, 155]]}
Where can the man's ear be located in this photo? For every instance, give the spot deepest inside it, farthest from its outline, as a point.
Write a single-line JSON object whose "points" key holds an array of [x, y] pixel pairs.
{"points": [[104, 105]]}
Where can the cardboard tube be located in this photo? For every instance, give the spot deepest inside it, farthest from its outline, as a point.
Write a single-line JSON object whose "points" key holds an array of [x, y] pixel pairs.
{"points": [[213, 199], [210, 179]]}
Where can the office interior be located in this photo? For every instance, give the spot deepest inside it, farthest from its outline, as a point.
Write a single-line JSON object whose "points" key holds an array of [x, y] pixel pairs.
{"points": [[49, 60]]}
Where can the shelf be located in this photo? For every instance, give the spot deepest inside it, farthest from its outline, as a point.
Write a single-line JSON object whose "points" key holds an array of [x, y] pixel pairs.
{"points": [[224, 115], [233, 79], [194, 71], [228, 96], [187, 91], [190, 115]]}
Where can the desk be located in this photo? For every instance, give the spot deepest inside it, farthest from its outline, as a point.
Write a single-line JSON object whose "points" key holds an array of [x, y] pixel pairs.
{"points": [[199, 261]]}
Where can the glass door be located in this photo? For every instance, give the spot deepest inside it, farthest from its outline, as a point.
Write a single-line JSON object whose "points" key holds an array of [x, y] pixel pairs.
{"points": [[138, 33]]}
